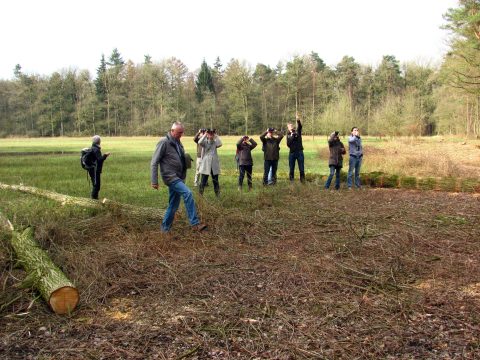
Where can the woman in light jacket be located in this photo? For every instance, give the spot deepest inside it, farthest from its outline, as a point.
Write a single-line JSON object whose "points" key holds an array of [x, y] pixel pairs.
{"points": [[210, 164]]}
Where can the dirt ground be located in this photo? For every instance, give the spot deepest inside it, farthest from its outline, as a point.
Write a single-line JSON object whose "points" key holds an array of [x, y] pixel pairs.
{"points": [[313, 274]]}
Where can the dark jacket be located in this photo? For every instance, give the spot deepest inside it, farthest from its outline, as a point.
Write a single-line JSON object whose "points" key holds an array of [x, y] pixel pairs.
{"points": [[294, 139], [170, 156], [337, 150], [271, 146], [99, 158], [244, 151]]}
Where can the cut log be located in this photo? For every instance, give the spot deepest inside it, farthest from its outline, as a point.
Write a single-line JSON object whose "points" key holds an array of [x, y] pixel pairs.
{"points": [[126, 209], [42, 274]]}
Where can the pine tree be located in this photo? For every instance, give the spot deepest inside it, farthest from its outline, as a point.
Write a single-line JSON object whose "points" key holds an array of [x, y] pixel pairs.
{"points": [[100, 81], [204, 82]]}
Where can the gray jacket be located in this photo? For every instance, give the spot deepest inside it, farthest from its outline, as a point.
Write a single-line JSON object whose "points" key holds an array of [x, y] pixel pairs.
{"points": [[355, 146], [170, 155]]}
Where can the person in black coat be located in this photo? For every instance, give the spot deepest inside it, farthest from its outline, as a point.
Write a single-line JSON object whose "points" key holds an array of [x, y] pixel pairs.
{"points": [[294, 142], [96, 171], [245, 161], [335, 161]]}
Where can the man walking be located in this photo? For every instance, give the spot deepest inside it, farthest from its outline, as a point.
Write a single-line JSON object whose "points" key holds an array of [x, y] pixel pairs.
{"points": [[294, 142], [271, 153], [170, 156], [356, 155]]}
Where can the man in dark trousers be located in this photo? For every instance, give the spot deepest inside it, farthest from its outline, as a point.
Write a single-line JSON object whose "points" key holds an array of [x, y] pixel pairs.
{"points": [[245, 161], [96, 171], [294, 142], [271, 153], [170, 156]]}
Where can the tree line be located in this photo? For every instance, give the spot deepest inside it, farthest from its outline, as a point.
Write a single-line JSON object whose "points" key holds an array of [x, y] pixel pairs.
{"points": [[124, 98]]}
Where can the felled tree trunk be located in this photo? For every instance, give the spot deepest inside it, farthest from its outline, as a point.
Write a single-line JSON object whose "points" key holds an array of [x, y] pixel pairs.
{"points": [[127, 209], [63, 199], [42, 273]]}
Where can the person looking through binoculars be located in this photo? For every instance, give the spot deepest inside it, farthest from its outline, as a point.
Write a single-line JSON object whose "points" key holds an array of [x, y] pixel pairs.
{"points": [[210, 163], [271, 139], [245, 162], [294, 142]]}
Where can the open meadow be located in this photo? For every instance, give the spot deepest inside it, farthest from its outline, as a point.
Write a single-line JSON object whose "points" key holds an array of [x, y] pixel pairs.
{"points": [[284, 272]]}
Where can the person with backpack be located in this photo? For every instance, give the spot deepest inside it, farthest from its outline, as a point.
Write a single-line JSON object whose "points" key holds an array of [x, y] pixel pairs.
{"points": [[335, 161], [170, 156], [94, 164], [245, 162], [294, 142], [271, 153]]}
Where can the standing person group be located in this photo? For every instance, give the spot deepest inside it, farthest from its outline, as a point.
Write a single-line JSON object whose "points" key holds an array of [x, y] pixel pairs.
{"points": [[335, 161], [170, 157]]}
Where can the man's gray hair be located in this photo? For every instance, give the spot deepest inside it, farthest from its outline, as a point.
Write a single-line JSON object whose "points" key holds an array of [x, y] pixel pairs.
{"points": [[96, 139], [176, 124]]}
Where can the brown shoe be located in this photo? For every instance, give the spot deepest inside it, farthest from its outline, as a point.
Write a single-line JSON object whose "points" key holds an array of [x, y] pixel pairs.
{"points": [[199, 227]]}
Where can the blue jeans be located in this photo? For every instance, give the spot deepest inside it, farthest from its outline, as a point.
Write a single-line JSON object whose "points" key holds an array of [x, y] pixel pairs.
{"points": [[176, 190], [267, 166], [298, 156], [333, 170], [354, 163]]}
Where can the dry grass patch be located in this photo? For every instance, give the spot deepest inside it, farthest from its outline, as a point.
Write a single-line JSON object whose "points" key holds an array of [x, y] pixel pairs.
{"points": [[368, 274]]}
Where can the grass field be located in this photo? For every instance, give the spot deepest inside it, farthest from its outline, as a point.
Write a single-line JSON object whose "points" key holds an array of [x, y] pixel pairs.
{"points": [[126, 176], [284, 272]]}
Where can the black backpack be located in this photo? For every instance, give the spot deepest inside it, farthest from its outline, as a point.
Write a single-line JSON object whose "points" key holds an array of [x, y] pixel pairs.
{"points": [[87, 158]]}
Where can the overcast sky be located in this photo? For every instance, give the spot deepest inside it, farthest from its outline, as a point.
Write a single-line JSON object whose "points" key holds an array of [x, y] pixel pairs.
{"points": [[51, 35]]}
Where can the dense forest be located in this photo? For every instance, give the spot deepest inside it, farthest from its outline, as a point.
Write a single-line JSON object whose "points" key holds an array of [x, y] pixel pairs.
{"points": [[124, 98]]}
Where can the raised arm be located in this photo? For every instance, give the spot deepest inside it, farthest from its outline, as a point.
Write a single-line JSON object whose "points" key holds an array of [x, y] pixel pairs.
{"points": [[203, 140], [262, 137]]}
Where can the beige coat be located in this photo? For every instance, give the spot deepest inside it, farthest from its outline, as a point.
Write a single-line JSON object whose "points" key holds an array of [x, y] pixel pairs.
{"points": [[210, 162]]}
